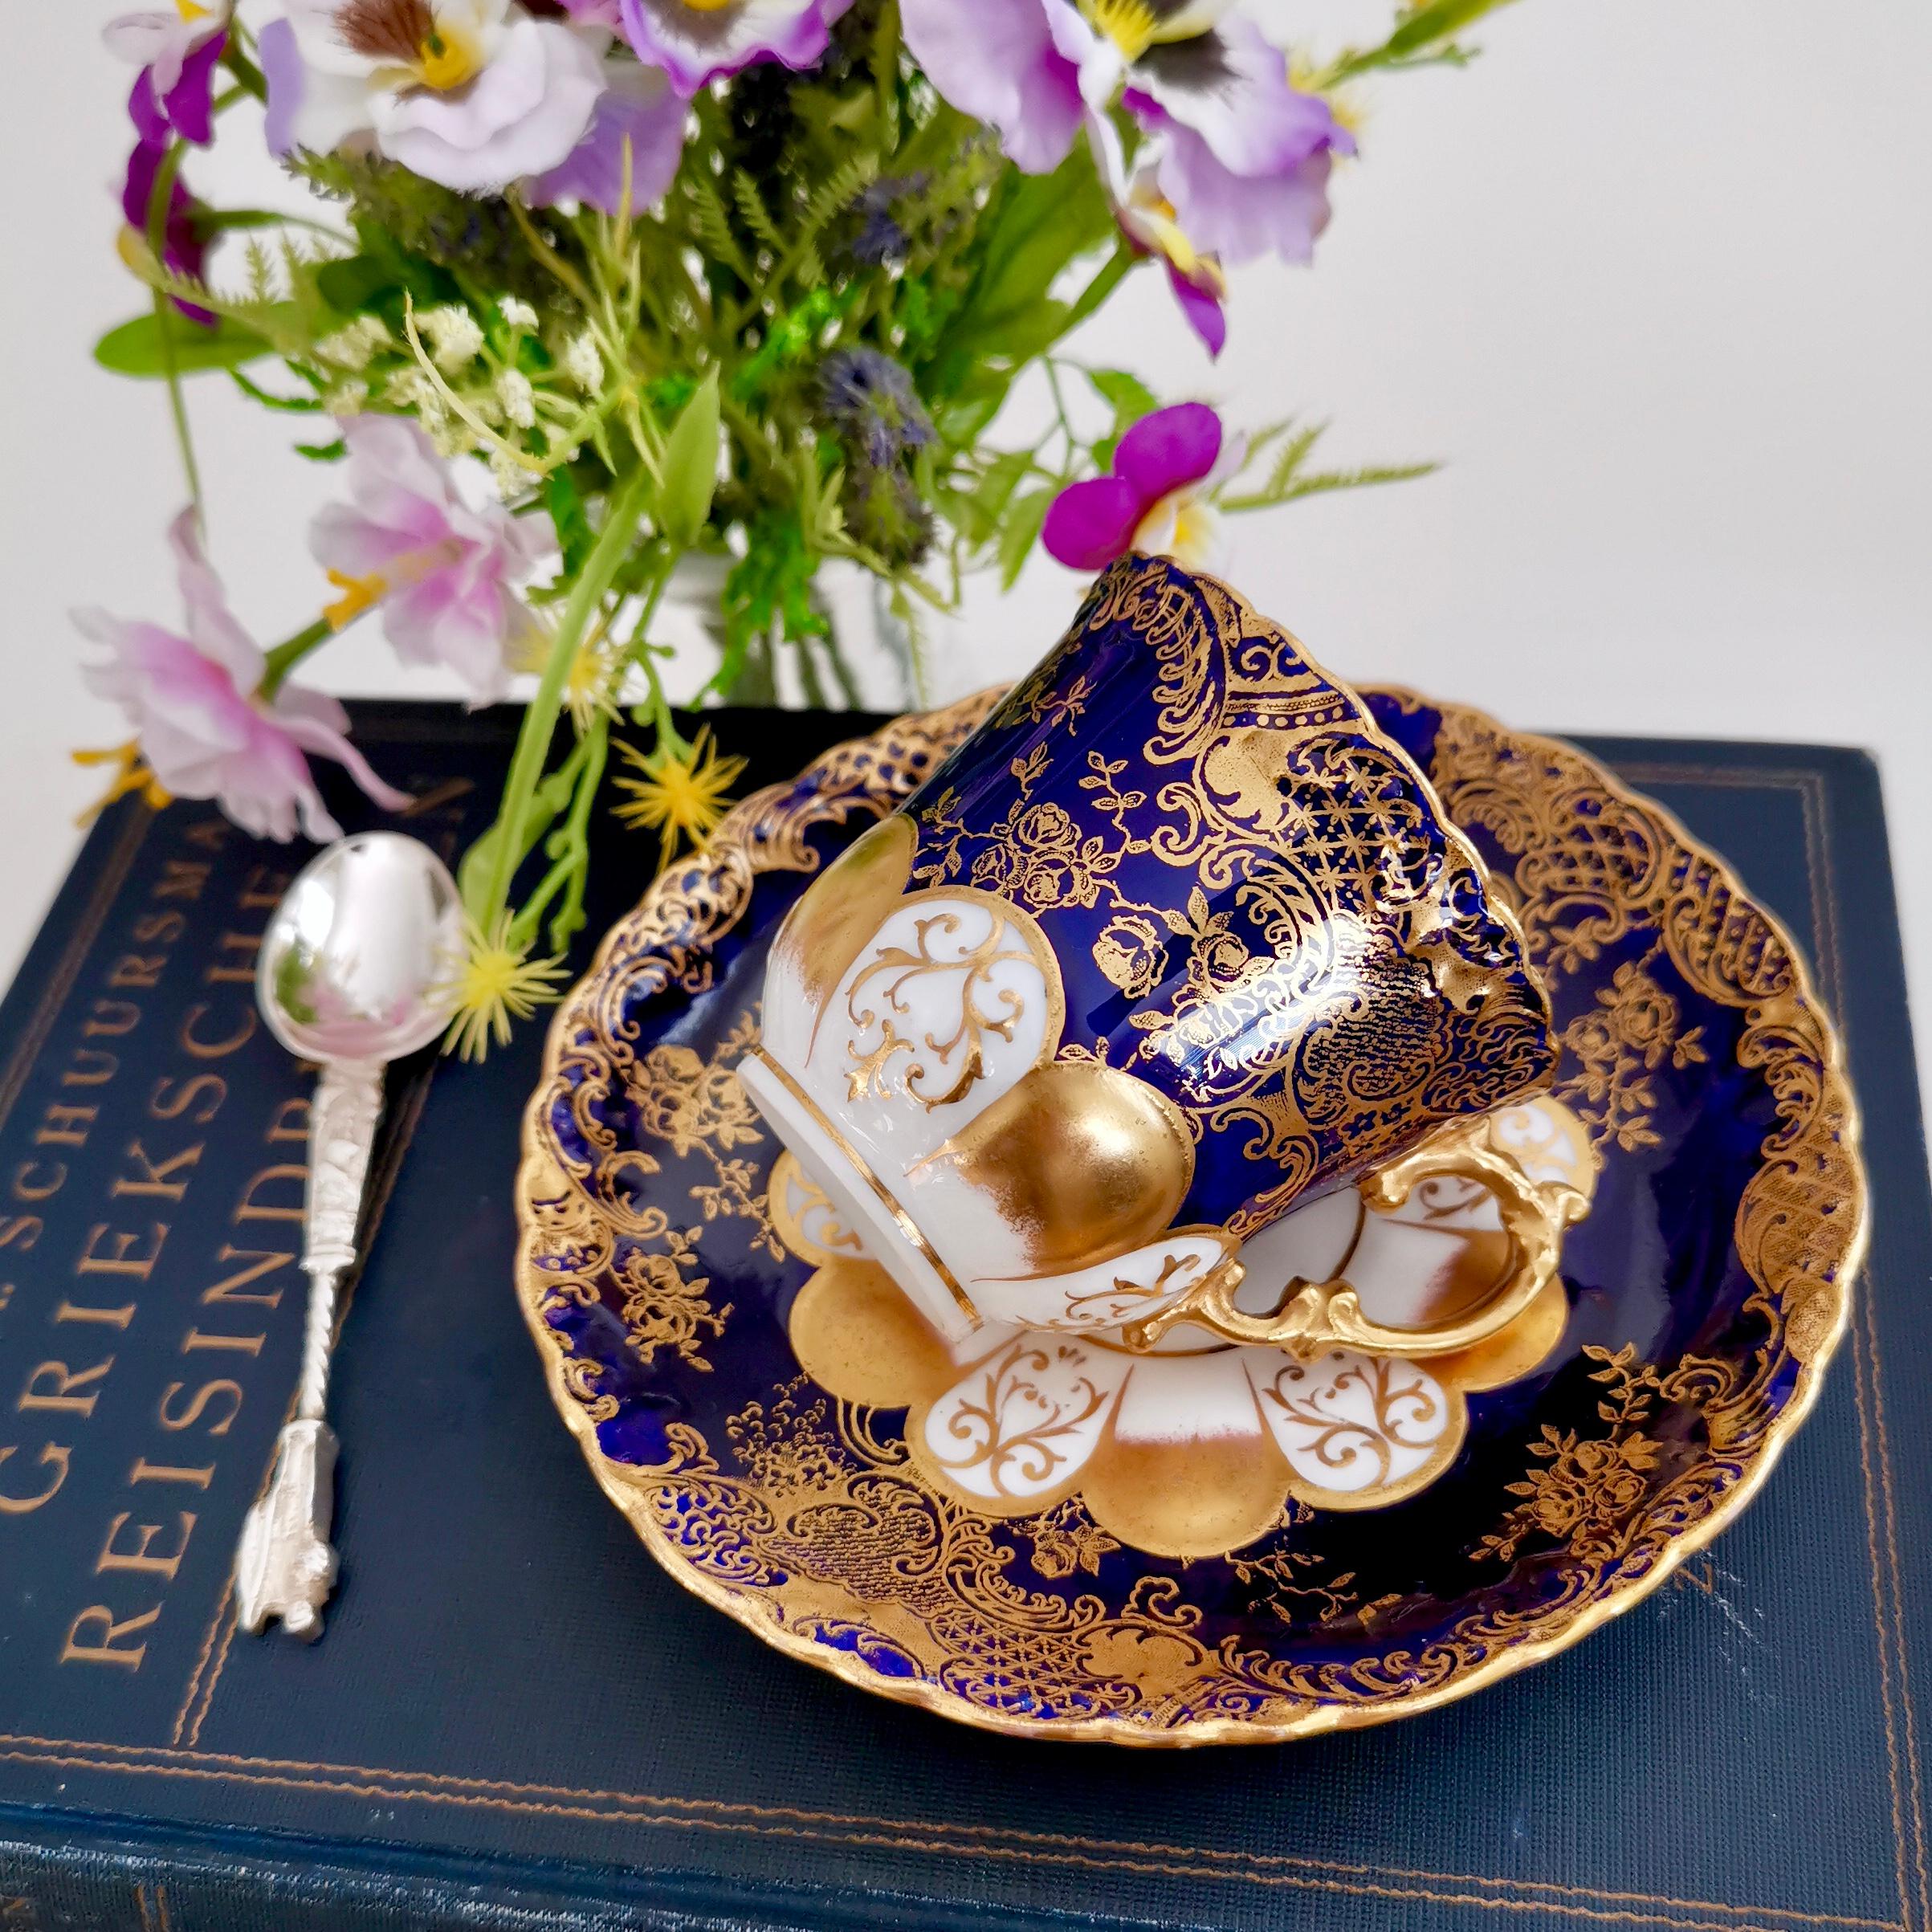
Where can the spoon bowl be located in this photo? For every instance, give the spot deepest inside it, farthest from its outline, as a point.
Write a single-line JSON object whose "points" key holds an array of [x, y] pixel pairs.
{"points": [[353, 955]]}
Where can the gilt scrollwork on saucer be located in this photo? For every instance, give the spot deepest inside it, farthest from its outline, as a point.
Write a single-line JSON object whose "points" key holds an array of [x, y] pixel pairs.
{"points": [[1695, 1058]]}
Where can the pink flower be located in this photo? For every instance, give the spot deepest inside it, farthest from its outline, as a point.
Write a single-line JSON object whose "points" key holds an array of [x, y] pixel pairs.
{"points": [[1158, 498], [1146, 218], [473, 94], [996, 60], [433, 548], [696, 41], [203, 728]]}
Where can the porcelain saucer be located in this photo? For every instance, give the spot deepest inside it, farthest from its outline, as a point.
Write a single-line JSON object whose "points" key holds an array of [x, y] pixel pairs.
{"points": [[1047, 1535]]}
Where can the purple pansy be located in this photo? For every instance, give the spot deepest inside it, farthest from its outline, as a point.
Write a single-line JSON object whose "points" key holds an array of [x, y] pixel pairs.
{"points": [[696, 44], [996, 60], [1237, 216], [177, 52], [1156, 497], [639, 105], [1243, 155]]}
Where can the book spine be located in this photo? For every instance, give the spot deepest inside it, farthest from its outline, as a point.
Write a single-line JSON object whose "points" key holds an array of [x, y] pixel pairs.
{"points": [[64, 1871]]}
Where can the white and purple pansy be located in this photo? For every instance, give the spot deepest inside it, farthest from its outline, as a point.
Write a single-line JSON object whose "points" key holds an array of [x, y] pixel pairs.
{"points": [[1240, 156], [472, 94], [177, 50], [1146, 218], [696, 41], [1244, 155], [1158, 497]]}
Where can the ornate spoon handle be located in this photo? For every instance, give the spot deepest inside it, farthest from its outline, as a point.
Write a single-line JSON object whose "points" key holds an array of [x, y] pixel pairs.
{"points": [[284, 1566]]}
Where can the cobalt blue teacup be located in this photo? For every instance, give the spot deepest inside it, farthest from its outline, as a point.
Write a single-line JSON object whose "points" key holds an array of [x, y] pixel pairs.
{"points": [[1176, 940]]}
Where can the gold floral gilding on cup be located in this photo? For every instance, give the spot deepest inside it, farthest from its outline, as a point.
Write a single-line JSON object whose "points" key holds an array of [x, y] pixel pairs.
{"points": [[1195, 1447], [1177, 938]]}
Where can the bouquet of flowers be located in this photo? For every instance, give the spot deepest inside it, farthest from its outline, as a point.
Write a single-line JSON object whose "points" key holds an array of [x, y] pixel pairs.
{"points": [[598, 292]]}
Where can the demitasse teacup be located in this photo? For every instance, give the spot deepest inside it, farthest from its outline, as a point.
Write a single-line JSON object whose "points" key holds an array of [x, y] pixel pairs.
{"points": [[1177, 938]]}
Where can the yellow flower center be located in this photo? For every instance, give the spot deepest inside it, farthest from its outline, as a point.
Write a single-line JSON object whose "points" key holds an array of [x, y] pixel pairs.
{"points": [[446, 60], [707, 7], [1130, 24], [1134, 26], [190, 11], [1184, 525], [496, 984], [1191, 529]]}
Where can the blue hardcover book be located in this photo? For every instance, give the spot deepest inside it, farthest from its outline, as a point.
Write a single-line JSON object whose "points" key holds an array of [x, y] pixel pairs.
{"points": [[514, 1718]]}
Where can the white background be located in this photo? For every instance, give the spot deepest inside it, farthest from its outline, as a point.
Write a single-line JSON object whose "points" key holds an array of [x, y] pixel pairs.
{"points": [[1651, 276]]}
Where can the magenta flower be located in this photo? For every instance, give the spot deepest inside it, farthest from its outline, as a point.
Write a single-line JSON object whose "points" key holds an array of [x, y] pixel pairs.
{"points": [[183, 230], [698, 43], [997, 61], [1158, 497], [429, 545], [177, 52], [472, 94], [201, 724]]}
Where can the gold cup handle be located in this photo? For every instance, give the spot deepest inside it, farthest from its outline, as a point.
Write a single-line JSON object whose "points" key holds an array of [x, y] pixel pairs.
{"points": [[1312, 1316]]}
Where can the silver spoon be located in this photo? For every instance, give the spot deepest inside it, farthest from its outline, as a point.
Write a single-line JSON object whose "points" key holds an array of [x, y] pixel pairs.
{"points": [[348, 977]]}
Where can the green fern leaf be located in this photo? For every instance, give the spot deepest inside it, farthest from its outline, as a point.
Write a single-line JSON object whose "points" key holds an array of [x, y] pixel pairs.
{"points": [[753, 212]]}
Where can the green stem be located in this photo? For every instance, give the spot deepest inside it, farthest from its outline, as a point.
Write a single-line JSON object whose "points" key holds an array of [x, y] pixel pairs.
{"points": [[885, 72], [808, 674], [568, 847], [278, 663], [248, 76], [754, 683], [638, 652], [626, 511], [848, 684], [1107, 278], [159, 198]]}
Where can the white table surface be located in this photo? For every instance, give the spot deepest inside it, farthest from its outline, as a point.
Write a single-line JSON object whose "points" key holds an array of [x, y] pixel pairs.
{"points": [[1652, 275]]}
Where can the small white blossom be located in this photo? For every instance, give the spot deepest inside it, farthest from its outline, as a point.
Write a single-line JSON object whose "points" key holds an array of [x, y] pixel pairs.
{"points": [[353, 346], [347, 398], [517, 399], [455, 339], [512, 479], [583, 362], [517, 312], [410, 388], [451, 436]]}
